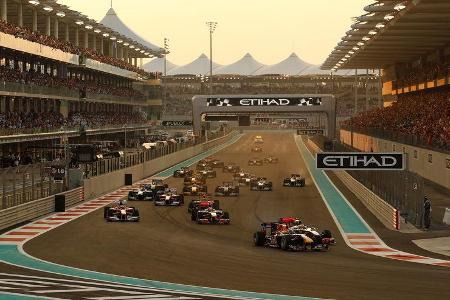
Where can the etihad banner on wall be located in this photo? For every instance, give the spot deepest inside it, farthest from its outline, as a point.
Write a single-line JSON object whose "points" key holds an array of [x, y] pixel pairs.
{"points": [[176, 123], [360, 161], [264, 101]]}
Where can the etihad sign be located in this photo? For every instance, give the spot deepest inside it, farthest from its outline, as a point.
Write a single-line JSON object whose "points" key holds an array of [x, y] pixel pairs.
{"points": [[265, 102]]}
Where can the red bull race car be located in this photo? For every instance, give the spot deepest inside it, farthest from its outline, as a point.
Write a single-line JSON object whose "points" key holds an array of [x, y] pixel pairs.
{"points": [[290, 234], [120, 212], [195, 178]]}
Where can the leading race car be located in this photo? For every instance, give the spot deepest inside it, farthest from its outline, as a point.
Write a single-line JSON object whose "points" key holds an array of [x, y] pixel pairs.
{"points": [[227, 189], [156, 186], [294, 180], [255, 162], [261, 184], [120, 212], [194, 189], [184, 171], [210, 215], [270, 160], [169, 198], [256, 149], [215, 163], [208, 172], [293, 236], [231, 168], [204, 163]]}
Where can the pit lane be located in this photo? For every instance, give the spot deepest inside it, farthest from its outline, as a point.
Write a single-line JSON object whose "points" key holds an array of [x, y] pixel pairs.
{"points": [[167, 246]]}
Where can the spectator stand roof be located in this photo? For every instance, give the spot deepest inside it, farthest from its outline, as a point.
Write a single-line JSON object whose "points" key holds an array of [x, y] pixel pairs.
{"points": [[199, 66], [392, 31], [245, 66], [157, 65], [113, 21], [77, 19]]}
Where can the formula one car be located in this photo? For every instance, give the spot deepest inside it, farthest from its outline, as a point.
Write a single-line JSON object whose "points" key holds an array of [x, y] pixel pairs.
{"points": [[210, 215], [194, 189], [215, 163], [202, 203], [120, 212], [196, 178], [231, 168], [141, 194], [204, 163], [169, 198], [240, 174], [292, 236], [227, 189], [295, 180], [258, 139], [247, 180], [270, 160], [184, 171], [255, 162], [156, 187], [208, 172], [256, 149], [261, 184]]}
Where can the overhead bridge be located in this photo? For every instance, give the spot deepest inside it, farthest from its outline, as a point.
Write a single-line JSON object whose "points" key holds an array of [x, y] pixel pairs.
{"points": [[240, 107]]}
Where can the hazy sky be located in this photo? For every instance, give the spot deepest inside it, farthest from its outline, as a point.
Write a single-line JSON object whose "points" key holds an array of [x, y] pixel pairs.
{"points": [[269, 29]]}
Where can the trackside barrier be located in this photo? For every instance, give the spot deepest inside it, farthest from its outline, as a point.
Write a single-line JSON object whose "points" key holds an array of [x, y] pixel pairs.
{"points": [[387, 214], [37, 208]]}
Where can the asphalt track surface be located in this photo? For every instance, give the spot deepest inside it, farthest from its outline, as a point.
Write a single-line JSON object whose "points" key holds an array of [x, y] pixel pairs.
{"points": [[167, 246]]}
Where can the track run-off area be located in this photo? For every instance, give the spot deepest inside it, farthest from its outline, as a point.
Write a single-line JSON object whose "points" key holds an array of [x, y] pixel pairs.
{"points": [[174, 257]]}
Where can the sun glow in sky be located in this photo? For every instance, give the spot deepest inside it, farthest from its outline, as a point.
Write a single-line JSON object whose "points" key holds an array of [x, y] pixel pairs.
{"points": [[268, 29]]}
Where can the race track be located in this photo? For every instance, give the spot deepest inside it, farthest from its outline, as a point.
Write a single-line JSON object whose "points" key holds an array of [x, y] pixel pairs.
{"points": [[167, 246]]}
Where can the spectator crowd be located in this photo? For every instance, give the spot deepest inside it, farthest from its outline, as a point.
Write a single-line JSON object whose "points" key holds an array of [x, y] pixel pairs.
{"points": [[27, 34], [8, 74], [425, 115]]}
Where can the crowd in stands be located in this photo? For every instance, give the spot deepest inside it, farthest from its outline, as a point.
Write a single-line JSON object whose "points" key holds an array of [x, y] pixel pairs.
{"points": [[49, 121], [408, 75], [8, 74], [27, 34], [425, 115]]}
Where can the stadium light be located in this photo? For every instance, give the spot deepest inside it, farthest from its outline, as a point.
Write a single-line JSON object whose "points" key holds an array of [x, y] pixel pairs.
{"points": [[212, 27], [97, 30], [79, 22], [137, 49], [355, 48], [126, 44], [400, 6], [380, 25], [389, 17], [106, 34], [347, 55], [344, 59], [351, 52], [131, 47], [113, 38], [34, 2], [48, 8], [373, 32], [120, 41], [142, 51], [88, 27], [60, 14], [366, 38], [360, 43]]}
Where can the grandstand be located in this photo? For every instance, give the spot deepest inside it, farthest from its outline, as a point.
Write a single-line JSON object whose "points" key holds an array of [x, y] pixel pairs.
{"points": [[409, 40], [62, 72]]}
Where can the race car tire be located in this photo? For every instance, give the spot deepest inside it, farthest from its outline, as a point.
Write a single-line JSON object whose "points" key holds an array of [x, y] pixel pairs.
{"points": [[194, 215], [326, 234], [259, 238], [226, 215], [216, 204], [284, 243], [105, 211]]}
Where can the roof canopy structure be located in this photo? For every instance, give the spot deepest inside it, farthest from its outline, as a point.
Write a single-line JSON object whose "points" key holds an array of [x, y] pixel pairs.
{"points": [[292, 65], [199, 66], [113, 21], [246, 66], [392, 31], [75, 19], [157, 65]]}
